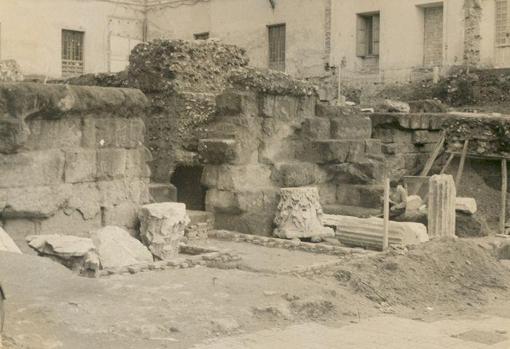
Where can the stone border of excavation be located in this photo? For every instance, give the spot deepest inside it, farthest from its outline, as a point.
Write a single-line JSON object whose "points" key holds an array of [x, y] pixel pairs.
{"points": [[270, 242], [197, 257]]}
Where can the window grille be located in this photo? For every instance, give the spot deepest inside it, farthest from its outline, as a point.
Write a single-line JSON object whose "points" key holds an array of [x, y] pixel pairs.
{"points": [[277, 36], [502, 22], [72, 53]]}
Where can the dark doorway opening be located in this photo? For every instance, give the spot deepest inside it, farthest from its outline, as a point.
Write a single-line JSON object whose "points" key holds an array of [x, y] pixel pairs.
{"points": [[189, 189]]}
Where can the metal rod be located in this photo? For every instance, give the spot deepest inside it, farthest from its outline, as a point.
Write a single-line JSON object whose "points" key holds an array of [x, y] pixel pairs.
{"points": [[504, 188], [462, 163], [386, 213]]}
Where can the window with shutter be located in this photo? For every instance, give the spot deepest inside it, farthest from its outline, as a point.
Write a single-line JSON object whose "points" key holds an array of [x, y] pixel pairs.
{"points": [[368, 34], [277, 37], [72, 53]]}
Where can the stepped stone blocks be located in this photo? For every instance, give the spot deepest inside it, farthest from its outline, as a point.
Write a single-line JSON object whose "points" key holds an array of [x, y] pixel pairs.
{"points": [[162, 228], [71, 159], [441, 206], [407, 139], [368, 232], [300, 214]]}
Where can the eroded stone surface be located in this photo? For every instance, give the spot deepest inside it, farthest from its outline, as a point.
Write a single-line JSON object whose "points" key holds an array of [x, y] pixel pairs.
{"points": [[368, 232], [441, 206], [162, 227], [466, 205], [76, 253], [117, 248], [300, 214]]}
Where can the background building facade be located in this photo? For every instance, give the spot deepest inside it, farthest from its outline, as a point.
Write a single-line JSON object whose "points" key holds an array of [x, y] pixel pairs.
{"points": [[357, 41]]}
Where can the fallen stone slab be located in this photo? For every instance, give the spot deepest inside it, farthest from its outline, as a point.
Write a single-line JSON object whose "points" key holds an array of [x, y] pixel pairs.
{"points": [[6, 243], [76, 253], [466, 205], [117, 248], [368, 232], [300, 214], [162, 228]]}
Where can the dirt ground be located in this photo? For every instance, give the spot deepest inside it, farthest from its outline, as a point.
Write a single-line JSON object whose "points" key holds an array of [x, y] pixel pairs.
{"points": [[49, 307]]}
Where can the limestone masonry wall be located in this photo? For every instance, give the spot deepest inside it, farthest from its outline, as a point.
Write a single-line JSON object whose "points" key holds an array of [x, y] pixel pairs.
{"points": [[71, 158], [269, 133]]}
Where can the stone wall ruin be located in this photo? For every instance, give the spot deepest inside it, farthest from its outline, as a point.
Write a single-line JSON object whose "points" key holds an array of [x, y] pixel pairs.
{"points": [[72, 159]]}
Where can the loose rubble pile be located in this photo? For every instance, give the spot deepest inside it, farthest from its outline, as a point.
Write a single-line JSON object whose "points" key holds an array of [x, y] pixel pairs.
{"points": [[166, 66], [487, 135]]}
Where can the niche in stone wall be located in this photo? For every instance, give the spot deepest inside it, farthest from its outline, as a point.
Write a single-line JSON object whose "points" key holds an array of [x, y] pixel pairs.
{"points": [[189, 189]]}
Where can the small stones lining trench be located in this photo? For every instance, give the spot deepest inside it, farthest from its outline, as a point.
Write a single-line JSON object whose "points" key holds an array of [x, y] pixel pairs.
{"points": [[321, 248], [198, 257]]}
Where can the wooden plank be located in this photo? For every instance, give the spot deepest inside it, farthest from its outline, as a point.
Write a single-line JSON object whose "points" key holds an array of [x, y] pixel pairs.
{"points": [[430, 163], [448, 162], [504, 188], [462, 163], [433, 156], [386, 210]]}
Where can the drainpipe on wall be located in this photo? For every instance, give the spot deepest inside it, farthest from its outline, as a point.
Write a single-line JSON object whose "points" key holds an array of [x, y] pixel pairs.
{"points": [[145, 25]]}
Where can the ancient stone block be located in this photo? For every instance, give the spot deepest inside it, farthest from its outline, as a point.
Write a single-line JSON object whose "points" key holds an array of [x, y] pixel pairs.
{"points": [[258, 200], [136, 163], [280, 107], [369, 196], [441, 206], [76, 253], [116, 248], [425, 136], [117, 191], [232, 178], [162, 228], [48, 134], [88, 132], [465, 205], [35, 202], [369, 171], [221, 201], [306, 106], [85, 198], [327, 193], [351, 127], [38, 168], [119, 132], [368, 232], [300, 214], [124, 214], [68, 222], [236, 102], [317, 128], [111, 163], [337, 150], [298, 174], [163, 192], [6, 243], [373, 147], [392, 135], [80, 166], [219, 151]]}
